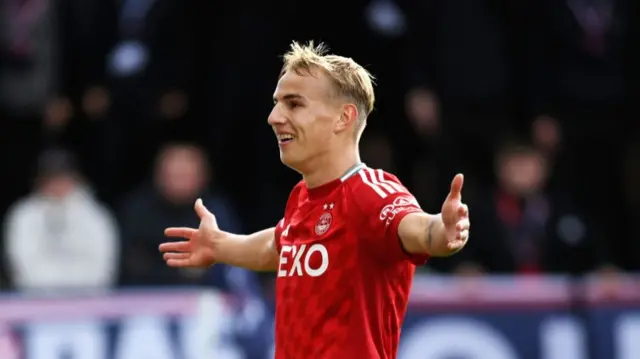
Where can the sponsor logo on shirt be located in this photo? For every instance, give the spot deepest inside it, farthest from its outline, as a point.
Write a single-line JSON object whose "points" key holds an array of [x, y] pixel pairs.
{"points": [[302, 260]]}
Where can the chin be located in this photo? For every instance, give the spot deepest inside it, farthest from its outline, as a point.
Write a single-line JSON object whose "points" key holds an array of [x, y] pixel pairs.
{"points": [[291, 161], [287, 159]]}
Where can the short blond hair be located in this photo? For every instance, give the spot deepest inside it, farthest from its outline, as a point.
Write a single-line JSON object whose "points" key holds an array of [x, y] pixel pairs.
{"points": [[352, 80]]}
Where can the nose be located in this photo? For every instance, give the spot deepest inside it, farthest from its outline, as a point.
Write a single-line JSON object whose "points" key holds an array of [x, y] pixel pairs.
{"points": [[276, 117]]}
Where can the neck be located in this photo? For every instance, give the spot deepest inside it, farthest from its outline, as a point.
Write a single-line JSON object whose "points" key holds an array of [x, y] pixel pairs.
{"points": [[331, 167]]}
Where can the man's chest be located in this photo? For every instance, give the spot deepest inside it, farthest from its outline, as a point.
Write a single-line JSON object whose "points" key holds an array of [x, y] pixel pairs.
{"points": [[315, 240]]}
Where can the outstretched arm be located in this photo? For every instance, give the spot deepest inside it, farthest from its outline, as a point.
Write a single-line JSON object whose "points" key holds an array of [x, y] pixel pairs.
{"points": [[255, 251], [438, 235], [207, 245]]}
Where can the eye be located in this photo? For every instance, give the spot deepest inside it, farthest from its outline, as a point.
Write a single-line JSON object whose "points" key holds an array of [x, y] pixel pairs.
{"points": [[294, 105]]}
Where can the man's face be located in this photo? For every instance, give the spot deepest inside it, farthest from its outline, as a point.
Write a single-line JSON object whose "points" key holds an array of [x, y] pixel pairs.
{"points": [[181, 174], [58, 187], [305, 117], [524, 173]]}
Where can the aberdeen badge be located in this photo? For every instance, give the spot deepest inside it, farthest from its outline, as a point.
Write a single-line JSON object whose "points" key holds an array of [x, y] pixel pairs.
{"points": [[323, 224]]}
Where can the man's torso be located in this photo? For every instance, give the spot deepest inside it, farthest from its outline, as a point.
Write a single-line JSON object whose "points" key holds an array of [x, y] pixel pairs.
{"points": [[337, 294]]}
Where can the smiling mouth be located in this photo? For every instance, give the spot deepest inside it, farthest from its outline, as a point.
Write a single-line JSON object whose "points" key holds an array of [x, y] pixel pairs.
{"points": [[285, 138]]}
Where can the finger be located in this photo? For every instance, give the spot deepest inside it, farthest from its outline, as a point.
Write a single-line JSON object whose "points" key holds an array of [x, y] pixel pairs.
{"points": [[457, 244], [174, 247], [200, 209], [180, 232], [179, 263], [204, 213], [463, 210], [173, 255], [456, 186], [462, 225], [462, 235]]}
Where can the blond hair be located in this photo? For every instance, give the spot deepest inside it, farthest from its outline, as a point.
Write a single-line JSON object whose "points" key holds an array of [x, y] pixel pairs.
{"points": [[351, 80]]}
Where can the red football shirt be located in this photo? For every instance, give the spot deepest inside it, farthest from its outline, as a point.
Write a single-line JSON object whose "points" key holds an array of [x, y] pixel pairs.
{"points": [[344, 279]]}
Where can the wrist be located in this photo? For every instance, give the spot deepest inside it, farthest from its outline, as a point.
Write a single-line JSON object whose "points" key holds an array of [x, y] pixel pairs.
{"points": [[439, 238], [224, 247]]}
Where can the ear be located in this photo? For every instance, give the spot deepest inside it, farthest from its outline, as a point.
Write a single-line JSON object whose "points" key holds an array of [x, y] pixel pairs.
{"points": [[348, 117]]}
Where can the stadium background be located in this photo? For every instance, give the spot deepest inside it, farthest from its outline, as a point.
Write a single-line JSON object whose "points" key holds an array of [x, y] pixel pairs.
{"points": [[126, 111]]}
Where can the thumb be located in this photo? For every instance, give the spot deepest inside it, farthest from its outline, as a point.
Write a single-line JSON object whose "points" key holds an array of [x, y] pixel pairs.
{"points": [[204, 213], [456, 186]]}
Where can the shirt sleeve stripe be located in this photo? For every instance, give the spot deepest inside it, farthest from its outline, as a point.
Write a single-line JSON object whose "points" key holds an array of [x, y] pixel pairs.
{"points": [[364, 174], [379, 181], [396, 186]]}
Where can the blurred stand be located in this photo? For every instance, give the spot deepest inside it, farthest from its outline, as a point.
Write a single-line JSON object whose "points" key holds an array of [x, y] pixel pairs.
{"points": [[159, 102]]}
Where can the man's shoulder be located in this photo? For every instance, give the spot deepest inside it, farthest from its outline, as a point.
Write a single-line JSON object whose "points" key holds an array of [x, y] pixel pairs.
{"points": [[374, 192], [372, 185], [23, 207]]}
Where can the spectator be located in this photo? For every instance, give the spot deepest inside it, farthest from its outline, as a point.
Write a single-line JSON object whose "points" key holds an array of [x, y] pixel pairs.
{"points": [[59, 236], [525, 228], [181, 176], [579, 79], [30, 49]]}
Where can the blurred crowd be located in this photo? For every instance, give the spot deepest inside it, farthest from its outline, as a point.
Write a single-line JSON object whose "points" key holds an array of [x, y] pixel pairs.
{"points": [[116, 115]]}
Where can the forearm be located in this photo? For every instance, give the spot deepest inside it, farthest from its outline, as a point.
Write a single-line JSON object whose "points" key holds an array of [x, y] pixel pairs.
{"points": [[424, 233], [255, 251]]}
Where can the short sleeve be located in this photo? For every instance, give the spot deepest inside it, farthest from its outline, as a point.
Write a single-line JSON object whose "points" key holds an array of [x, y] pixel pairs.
{"points": [[384, 202], [278, 232], [292, 203]]}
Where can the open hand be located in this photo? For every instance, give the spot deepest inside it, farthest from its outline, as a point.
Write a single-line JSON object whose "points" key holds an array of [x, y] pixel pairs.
{"points": [[198, 248], [455, 216]]}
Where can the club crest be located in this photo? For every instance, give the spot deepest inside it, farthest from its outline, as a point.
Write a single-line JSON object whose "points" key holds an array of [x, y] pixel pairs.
{"points": [[324, 223]]}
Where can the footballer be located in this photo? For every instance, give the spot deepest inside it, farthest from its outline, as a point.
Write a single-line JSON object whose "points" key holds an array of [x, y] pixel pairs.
{"points": [[346, 249]]}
